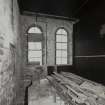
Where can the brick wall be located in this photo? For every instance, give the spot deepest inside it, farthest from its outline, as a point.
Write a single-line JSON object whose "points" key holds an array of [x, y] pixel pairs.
{"points": [[10, 52], [49, 27]]}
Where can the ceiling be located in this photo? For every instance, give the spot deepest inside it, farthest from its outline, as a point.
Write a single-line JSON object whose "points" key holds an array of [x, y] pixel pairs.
{"points": [[67, 8]]}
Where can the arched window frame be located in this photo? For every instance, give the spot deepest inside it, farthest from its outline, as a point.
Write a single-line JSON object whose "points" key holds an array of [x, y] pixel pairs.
{"points": [[34, 38], [67, 50]]}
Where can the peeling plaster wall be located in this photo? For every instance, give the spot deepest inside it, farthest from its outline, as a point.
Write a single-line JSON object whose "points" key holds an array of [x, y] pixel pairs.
{"points": [[49, 27], [10, 52]]}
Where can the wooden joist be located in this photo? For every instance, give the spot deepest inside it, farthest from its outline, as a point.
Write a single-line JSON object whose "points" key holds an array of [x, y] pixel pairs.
{"points": [[73, 88], [87, 85], [61, 91]]}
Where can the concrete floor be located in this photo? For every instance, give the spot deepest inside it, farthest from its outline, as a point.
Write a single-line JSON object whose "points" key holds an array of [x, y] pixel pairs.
{"points": [[41, 93]]}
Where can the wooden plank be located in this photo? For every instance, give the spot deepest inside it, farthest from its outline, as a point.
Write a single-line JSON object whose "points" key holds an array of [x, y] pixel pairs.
{"points": [[82, 96]]}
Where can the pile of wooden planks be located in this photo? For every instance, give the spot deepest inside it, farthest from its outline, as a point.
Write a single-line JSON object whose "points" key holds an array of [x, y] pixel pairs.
{"points": [[75, 90]]}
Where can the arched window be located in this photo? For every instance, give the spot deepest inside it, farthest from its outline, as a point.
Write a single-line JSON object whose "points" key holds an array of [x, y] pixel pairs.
{"points": [[35, 45], [61, 46], [34, 30]]}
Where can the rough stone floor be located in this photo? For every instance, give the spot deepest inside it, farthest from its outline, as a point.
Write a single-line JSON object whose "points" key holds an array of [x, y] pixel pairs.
{"points": [[41, 93]]}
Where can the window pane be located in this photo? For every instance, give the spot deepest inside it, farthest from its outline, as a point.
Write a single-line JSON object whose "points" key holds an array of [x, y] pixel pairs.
{"points": [[64, 45], [64, 38], [58, 53], [58, 38], [64, 53], [36, 60], [34, 30], [61, 46], [58, 45], [64, 60], [34, 54], [61, 38], [34, 45], [59, 31], [62, 31], [61, 60], [58, 60]]}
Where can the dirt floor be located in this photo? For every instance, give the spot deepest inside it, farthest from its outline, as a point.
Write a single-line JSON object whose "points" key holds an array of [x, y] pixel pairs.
{"points": [[41, 93]]}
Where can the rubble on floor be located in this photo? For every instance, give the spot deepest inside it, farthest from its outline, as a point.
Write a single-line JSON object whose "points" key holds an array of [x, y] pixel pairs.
{"points": [[42, 93]]}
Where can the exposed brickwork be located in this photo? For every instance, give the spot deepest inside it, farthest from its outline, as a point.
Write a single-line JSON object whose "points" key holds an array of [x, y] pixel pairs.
{"points": [[49, 27]]}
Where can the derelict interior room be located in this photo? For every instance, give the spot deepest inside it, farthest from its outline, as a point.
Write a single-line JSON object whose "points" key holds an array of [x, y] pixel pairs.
{"points": [[52, 52]]}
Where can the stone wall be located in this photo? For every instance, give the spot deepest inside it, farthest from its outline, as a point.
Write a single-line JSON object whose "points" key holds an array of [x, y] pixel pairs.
{"points": [[49, 27], [10, 52]]}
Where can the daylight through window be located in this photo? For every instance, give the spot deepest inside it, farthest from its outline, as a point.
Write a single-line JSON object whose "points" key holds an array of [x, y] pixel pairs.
{"points": [[35, 45], [61, 46]]}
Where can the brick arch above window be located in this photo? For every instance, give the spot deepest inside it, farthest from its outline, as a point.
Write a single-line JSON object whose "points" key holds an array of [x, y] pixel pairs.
{"points": [[64, 30], [35, 33], [34, 29], [61, 31]]}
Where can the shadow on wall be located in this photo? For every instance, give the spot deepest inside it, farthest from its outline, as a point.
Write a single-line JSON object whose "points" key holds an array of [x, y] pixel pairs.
{"points": [[102, 31], [90, 45]]}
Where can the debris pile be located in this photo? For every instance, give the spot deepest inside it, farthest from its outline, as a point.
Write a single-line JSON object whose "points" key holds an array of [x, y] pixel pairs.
{"points": [[75, 90]]}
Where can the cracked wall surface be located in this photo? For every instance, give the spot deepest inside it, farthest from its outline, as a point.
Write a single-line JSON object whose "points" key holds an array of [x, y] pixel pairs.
{"points": [[10, 52]]}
